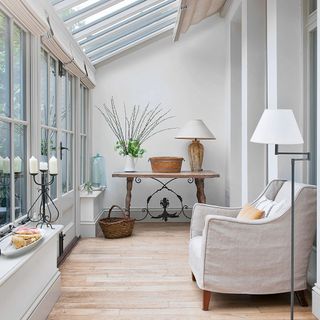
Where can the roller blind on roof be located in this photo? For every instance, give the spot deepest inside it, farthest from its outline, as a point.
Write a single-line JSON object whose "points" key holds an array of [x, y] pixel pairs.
{"points": [[23, 11], [40, 19], [193, 11]]}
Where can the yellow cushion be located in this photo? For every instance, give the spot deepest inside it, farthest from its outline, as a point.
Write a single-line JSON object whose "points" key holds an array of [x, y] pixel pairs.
{"points": [[250, 212]]}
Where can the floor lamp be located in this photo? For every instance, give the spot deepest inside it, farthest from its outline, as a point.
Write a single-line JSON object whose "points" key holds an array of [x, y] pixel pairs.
{"points": [[279, 126]]}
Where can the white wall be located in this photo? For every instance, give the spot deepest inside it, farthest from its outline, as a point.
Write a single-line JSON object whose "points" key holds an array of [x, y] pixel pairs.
{"points": [[285, 74], [253, 83], [245, 99], [188, 77]]}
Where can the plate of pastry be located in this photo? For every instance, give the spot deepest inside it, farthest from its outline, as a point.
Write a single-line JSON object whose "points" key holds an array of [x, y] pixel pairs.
{"points": [[23, 239]]}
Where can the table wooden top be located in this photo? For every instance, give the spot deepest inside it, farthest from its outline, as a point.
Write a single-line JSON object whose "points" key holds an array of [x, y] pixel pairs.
{"points": [[183, 174]]}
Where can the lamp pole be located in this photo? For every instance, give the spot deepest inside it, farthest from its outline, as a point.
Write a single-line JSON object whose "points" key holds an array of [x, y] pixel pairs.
{"points": [[306, 157]]}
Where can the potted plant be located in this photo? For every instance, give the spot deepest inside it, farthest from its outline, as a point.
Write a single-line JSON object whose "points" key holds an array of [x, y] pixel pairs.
{"points": [[134, 129], [88, 187]]}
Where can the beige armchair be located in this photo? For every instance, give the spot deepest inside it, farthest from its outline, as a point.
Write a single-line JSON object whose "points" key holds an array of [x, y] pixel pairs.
{"points": [[229, 255]]}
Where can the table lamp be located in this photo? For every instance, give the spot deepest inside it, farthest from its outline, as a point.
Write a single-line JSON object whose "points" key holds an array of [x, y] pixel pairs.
{"points": [[195, 130], [279, 126]]}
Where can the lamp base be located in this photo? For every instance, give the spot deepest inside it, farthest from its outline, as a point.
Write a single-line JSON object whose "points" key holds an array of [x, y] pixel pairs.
{"points": [[196, 151]]}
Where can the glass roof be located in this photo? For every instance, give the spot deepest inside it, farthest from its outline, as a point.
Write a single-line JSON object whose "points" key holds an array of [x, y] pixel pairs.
{"points": [[104, 28]]}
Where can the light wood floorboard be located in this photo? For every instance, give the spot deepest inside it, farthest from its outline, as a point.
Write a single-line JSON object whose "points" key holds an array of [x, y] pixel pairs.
{"points": [[147, 277]]}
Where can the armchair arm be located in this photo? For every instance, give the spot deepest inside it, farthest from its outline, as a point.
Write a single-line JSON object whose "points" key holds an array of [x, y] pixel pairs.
{"points": [[200, 211], [239, 254]]}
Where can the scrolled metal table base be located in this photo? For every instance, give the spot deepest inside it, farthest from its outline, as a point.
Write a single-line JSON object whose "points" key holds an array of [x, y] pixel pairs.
{"points": [[164, 202]]}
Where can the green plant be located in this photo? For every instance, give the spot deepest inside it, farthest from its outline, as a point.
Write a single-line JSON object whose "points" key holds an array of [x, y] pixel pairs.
{"points": [[135, 128], [88, 186], [133, 148]]}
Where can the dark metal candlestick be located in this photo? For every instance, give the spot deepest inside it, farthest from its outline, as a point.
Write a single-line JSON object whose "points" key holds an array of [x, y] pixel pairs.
{"points": [[44, 217]]}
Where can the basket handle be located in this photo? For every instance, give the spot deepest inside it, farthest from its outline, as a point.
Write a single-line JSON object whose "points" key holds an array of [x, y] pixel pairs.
{"points": [[125, 212]]}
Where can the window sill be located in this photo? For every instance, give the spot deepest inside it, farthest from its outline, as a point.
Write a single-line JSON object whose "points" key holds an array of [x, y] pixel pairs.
{"points": [[34, 273], [94, 194], [9, 265]]}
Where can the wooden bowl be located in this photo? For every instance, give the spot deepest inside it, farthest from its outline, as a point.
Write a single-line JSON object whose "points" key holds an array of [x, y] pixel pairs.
{"points": [[166, 164]]}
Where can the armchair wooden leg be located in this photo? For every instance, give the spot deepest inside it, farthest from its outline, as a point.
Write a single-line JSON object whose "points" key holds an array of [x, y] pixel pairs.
{"points": [[206, 300], [193, 277], [302, 298]]}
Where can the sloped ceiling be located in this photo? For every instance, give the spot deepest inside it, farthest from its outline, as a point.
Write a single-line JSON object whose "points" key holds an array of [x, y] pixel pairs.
{"points": [[105, 28]]}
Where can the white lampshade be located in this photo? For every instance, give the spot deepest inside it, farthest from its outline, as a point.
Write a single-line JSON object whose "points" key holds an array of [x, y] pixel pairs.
{"points": [[277, 126], [195, 129]]}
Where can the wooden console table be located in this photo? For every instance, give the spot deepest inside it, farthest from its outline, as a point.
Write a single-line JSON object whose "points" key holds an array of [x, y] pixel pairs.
{"points": [[196, 177]]}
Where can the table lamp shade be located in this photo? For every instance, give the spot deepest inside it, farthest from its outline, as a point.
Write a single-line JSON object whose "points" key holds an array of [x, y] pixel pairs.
{"points": [[277, 126], [195, 129]]}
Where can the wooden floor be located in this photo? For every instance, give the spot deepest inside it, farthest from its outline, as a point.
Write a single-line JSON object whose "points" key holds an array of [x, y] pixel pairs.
{"points": [[147, 277]]}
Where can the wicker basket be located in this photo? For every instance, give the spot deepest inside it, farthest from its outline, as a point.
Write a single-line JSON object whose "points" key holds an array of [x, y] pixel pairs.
{"points": [[166, 164], [114, 228]]}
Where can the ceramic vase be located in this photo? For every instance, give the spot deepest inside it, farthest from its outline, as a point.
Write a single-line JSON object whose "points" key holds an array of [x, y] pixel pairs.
{"points": [[130, 164]]}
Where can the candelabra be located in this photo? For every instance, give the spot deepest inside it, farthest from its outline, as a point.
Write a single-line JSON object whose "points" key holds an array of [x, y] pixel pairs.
{"points": [[44, 217]]}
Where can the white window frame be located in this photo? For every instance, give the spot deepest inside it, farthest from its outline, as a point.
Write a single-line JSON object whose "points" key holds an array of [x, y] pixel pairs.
{"points": [[310, 26], [13, 121], [48, 126]]}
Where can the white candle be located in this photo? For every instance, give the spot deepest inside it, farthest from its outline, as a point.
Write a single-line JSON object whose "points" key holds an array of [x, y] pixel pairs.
{"points": [[53, 165], [43, 166], [1, 163], [17, 164], [33, 165], [6, 165]]}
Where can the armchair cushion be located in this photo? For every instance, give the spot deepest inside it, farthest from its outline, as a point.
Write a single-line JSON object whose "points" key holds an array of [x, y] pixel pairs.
{"points": [[272, 208]]}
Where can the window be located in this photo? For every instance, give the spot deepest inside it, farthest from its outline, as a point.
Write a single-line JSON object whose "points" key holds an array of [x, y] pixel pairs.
{"points": [[13, 121], [48, 110], [83, 133]]}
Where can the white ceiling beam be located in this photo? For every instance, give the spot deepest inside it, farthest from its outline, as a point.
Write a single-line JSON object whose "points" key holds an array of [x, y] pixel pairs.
{"points": [[112, 20], [89, 11], [149, 15], [180, 16], [133, 44], [157, 25]]}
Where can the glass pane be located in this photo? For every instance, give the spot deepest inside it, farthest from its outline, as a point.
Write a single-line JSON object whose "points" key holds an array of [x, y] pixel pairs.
{"points": [[83, 109], [104, 14], [69, 103], [312, 5], [69, 12], [19, 168], [70, 162], [64, 182], [83, 153], [63, 102], [44, 144], [53, 152], [66, 103], [52, 93], [18, 68], [44, 88], [4, 66], [5, 186]]}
